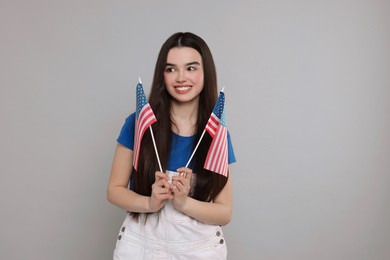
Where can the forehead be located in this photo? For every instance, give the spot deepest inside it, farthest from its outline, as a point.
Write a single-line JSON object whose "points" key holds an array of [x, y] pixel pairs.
{"points": [[183, 55]]}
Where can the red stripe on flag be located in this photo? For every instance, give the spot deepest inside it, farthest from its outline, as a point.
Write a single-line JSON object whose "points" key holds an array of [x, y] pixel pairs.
{"points": [[220, 145], [212, 125], [216, 159], [146, 119]]}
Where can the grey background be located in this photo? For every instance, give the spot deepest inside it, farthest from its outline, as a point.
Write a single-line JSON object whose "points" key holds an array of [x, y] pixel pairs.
{"points": [[308, 89]]}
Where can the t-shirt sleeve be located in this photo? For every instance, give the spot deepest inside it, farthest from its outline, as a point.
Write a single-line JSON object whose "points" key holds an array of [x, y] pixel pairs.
{"points": [[231, 156], [126, 136]]}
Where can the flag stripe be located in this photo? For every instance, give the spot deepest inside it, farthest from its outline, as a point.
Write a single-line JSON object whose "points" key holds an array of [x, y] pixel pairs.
{"points": [[212, 125], [144, 119], [217, 156], [218, 162], [216, 159]]}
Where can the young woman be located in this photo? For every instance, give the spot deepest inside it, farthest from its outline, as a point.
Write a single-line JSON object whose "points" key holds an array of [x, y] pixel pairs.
{"points": [[177, 218]]}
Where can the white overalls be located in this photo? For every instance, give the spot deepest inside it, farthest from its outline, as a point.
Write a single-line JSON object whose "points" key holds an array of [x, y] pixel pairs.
{"points": [[169, 235]]}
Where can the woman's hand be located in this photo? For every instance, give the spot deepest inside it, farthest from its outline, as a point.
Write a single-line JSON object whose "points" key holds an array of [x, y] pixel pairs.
{"points": [[161, 192], [180, 187]]}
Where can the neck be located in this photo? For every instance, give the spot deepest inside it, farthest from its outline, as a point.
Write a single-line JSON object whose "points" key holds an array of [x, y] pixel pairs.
{"points": [[185, 116]]}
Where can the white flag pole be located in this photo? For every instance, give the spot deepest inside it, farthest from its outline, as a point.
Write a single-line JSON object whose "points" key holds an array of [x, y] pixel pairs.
{"points": [[200, 139], [151, 133], [196, 147], [155, 148]]}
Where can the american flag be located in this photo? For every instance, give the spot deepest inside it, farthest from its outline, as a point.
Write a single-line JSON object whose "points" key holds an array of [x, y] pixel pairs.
{"points": [[217, 156], [144, 117]]}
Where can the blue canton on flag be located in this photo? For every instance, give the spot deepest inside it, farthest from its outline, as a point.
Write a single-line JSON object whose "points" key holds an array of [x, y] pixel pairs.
{"points": [[216, 115], [144, 117]]}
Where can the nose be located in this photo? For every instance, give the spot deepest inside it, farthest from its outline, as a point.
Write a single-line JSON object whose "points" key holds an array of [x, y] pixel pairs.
{"points": [[180, 76]]}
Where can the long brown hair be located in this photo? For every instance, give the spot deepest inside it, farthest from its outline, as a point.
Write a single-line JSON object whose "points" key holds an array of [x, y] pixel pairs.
{"points": [[208, 184]]}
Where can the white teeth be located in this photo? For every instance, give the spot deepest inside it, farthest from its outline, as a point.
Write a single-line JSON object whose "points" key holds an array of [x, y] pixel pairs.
{"points": [[183, 88]]}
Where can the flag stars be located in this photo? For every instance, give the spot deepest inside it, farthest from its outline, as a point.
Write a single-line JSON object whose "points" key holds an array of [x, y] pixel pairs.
{"points": [[218, 109], [141, 99], [223, 119]]}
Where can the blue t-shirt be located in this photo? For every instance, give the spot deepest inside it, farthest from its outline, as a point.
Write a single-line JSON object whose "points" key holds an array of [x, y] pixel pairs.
{"points": [[181, 149]]}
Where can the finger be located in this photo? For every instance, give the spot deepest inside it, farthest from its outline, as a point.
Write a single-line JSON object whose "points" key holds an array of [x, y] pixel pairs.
{"points": [[161, 186], [161, 190], [182, 188], [164, 196], [185, 180], [188, 175], [184, 171], [181, 181], [163, 183], [175, 188], [161, 175], [177, 178]]}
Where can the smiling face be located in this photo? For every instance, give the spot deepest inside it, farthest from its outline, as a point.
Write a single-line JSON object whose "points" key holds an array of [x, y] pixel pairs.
{"points": [[183, 75]]}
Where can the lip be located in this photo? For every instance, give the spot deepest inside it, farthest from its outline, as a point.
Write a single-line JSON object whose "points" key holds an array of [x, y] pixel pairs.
{"points": [[182, 89]]}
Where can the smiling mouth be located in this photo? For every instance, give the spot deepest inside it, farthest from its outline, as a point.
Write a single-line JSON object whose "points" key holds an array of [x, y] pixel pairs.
{"points": [[182, 88]]}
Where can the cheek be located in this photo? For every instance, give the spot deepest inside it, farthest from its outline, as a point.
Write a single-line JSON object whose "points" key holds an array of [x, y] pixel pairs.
{"points": [[168, 79], [198, 79], [201, 82]]}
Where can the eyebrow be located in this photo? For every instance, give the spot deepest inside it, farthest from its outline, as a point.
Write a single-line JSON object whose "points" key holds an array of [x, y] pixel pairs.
{"points": [[187, 64]]}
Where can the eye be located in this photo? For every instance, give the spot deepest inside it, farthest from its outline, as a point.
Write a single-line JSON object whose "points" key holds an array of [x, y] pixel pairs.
{"points": [[191, 68], [169, 69]]}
